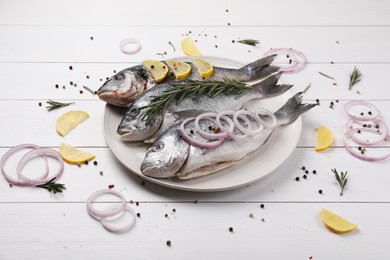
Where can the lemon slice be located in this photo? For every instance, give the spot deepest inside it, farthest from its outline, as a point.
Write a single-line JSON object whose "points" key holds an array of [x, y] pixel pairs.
{"points": [[69, 120], [156, 68], [336, 223], [72, 155], [324, 138], [180, 69], [189, 48], [205, 69]]}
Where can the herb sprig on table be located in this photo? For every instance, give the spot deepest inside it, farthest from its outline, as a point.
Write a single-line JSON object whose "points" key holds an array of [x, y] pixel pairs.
{"points": [[52, 186], [55, 104], [193, 88], [341, 179], [249, 42], [354, 77]]}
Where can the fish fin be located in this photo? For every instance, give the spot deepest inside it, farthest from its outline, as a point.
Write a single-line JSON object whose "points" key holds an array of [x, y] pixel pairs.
{"points": [[292, 109], [259, 68], [269, 87], [205, 170]]}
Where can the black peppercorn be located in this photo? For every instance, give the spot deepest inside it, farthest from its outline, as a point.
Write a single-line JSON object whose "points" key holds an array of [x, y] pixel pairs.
{"points": [[262, 206], [314, 171], [138, 214], [297, 178], [231, 229], [303, 168], [95, 163], [168, 242], [304, 176], [320, 191]]}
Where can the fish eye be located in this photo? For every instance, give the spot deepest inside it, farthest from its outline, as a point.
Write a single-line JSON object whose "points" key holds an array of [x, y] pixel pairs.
{"points": [[134, 111], [118, 77], [158, 147]]}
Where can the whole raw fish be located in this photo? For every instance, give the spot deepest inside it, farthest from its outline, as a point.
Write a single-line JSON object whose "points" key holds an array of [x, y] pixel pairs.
{"points": [[172, 156], [125, 86]]}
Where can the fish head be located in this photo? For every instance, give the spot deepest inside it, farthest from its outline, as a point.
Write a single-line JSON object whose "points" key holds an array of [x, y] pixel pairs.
{"points": [[134, 127], [166, 156], [125, 86]]}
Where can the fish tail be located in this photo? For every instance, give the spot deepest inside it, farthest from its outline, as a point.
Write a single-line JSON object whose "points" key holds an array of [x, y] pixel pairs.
{"points": [[269, 87], [292, 109], [259, 68]]}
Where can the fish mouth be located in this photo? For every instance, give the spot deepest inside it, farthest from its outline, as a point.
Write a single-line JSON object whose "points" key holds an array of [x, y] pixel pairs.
{"points": [[112, 97], [150, 170]]}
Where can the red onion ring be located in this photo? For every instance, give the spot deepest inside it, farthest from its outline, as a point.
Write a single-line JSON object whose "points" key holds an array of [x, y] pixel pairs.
{"points": [[375, 110], [354, 132], [130, 41], [205, 134], [109, 212], [107, 224], [249, 130], [267, 113], [35, 153], [358, 154], [296, 65], [11, 151]]}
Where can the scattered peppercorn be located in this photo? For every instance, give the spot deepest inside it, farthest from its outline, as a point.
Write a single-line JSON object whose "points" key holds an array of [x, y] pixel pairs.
{"points": [[111, 186], [87, 77], [71, 83], [304, 176], [152, 66], [70, 67], [91, 37], [166, 215], [10, 185], [81, 91], [332, 103], [79, 164], [318, 101], [138, 214], [95, 163], [228, 24], [101, 173], [377, 126], [174, 210], [233, 41], [216, 46], [361, 113], [307, 171], [314, 171], [303, 168], [63, 87], [251, 215], [40, 104], [137, 203], [168, 242], [231, 229], [320, 191], [142, 183], [369, 112], [359, 131], [359, 148], [86, 162], [297, 178], [57, 86]]}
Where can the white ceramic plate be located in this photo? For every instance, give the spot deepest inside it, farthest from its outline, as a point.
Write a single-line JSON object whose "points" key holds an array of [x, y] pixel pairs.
{"points": [[254, 167]]}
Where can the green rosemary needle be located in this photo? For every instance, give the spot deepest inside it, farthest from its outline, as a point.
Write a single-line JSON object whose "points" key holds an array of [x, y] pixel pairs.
{"points": [[89, 90], [55, 104], [193, 88], [307, 88], [341, 179], [354, 77], [249, 42], [325, 75], [170, 43], [52, 186]]}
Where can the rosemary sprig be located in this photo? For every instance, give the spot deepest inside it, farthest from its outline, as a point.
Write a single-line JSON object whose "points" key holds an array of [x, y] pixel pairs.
{"points": [[52, 186], [249, 42], [170, 43], [193, 88], [341, 179], [162, 54], [55, 104], [307, 88], [323, 74], [354, 77], [89, 90]]}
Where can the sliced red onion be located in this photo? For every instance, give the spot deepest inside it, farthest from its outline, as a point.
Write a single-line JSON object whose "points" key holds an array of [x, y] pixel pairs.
{"points": [[298, 59], [358, 154], [11, 151], [266, 112], [374, 110], [208, 135], [124, 45], [250, 130], [378, 127], [109, 212], [107, 224], [40, 152]]}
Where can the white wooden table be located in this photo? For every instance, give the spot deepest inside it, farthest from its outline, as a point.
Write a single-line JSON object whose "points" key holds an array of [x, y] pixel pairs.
{"points": [[40, 39]]}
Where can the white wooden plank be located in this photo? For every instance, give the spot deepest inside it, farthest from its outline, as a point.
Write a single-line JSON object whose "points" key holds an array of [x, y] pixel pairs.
{"points": [[201, 13], [196, 231], [73, 44], [39, 80], [367, 181], [28, 121]]}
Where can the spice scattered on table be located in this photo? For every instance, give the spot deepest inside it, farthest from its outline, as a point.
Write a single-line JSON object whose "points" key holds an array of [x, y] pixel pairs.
{"points": [[354, 77], [325, 75], [341, 179]]}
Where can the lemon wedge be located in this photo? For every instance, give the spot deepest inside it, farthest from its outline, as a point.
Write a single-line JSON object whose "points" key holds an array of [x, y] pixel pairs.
{"points": [[189, 48], [156, 68], [336, 223], [69, 120], [180, 69], [205, 69], [72, 155], [324, 138]]}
